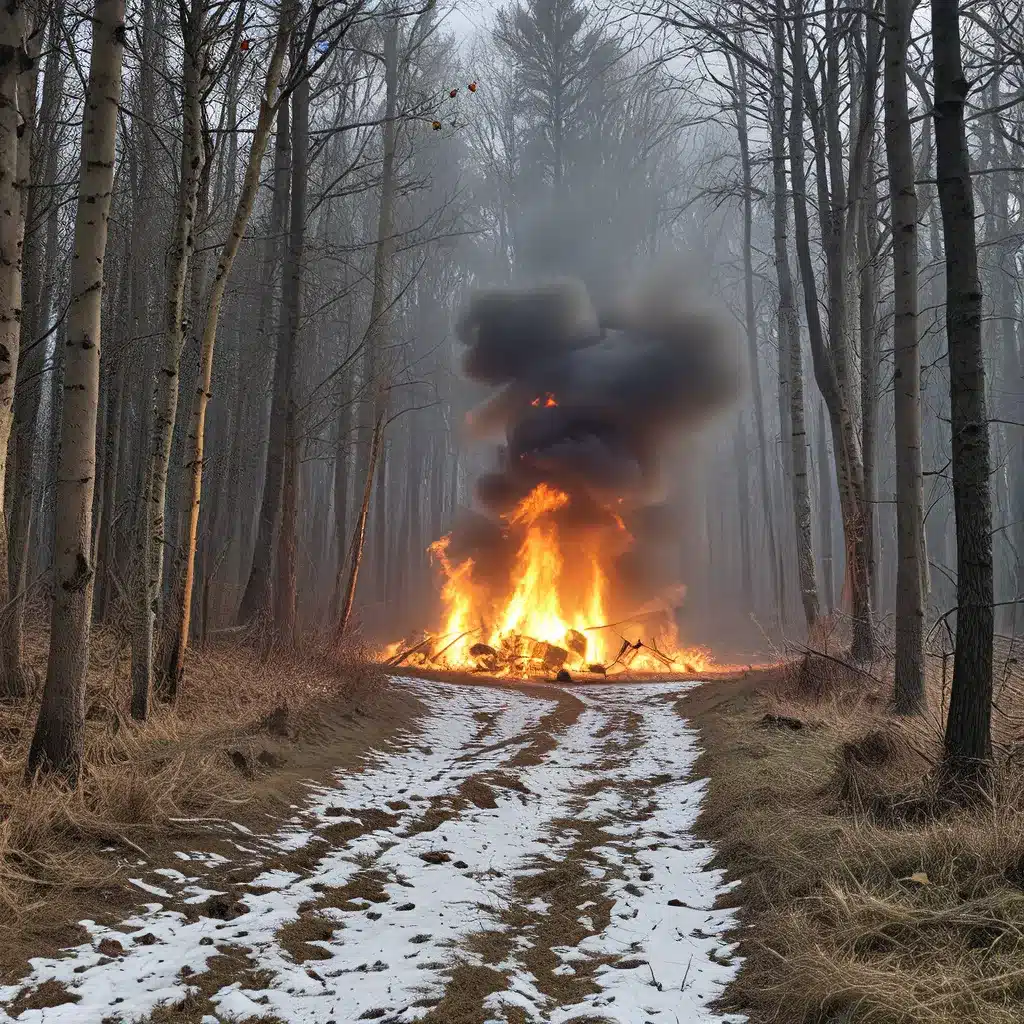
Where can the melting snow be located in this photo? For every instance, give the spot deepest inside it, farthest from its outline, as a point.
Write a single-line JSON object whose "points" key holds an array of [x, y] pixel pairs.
{"points": [[447, 882]]}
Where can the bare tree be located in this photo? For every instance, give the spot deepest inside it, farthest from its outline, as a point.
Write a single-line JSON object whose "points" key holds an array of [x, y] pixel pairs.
{"points": [[968, 745], [790, 354], [15, 118], [182, 617], [908, 684], [152, 527], [58, 742]]}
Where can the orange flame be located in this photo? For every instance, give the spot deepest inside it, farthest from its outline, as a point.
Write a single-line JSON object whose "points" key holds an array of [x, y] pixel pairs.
{"points": [[547, 400], [558, 595]]}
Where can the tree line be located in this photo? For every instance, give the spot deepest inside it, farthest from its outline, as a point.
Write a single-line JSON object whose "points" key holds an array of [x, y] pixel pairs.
{"points": [[235, 237]]}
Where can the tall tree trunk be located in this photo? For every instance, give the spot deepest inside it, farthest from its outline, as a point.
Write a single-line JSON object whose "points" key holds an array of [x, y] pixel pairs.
{"points": [[197, 422], [258, 589], [359, 535], [341, 482], [58, 743], [285, 603], [152, 532], [750, 323], [743, 496], [19, 407], [908, 687], [790, 355], [376, 373], [968, 746], [833, 363]]}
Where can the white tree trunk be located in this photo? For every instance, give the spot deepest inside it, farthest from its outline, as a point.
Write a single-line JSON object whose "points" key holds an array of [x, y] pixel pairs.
{"points": [[58, 744], [197, 422]]}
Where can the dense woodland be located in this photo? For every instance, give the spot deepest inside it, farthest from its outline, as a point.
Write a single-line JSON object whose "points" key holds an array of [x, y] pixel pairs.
{"points": [[235, 237]]}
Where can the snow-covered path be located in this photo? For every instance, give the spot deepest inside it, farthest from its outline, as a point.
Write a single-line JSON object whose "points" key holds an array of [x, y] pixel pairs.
{"points": [[522, 857]]}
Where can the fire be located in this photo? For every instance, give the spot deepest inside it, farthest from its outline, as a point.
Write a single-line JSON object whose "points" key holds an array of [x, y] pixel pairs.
{"points": [[553, 613], [548, 400]]}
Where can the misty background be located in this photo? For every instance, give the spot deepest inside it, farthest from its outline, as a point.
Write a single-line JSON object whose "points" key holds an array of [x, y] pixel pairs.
{"points": [[596, 140]]}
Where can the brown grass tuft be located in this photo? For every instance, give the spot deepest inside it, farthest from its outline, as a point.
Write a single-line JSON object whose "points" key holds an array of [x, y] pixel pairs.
{"points": [[238, 710], [869, 900]]}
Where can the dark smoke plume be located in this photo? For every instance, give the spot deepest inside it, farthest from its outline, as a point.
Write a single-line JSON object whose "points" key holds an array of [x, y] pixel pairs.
{"points": [[587, 399]]}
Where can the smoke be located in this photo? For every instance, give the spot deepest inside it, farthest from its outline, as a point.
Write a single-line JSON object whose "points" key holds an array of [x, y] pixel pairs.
{"points": [[589, 397]]}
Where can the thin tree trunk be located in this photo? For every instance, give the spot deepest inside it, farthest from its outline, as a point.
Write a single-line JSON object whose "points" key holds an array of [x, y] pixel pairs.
{"points": [[790, 355], [376, 373], [341, 482], [257, 594], [750, 321], [968, 746], [152, 527], [19, 408], [58, 743], [285, 604], [197, 424], [359, 535], [740, 456], [908, 686]]}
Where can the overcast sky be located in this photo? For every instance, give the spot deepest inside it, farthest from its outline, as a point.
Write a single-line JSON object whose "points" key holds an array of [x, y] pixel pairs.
{"points": [[467, 17]]}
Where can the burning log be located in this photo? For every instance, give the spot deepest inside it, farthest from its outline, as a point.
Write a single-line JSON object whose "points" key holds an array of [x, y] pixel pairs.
{"points": [[408, 653], [577, 643], [486, 657]]}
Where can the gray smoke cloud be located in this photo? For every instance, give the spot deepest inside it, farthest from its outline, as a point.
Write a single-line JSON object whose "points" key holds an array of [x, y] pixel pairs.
{"points": [[587, 397]]}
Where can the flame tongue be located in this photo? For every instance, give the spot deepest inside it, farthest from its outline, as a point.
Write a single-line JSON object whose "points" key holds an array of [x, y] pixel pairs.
{"points": [[547, 613]]}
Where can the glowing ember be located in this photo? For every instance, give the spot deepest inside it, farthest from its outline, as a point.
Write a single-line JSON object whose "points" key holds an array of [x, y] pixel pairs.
{"points": [[547, 401], [552, 612]]}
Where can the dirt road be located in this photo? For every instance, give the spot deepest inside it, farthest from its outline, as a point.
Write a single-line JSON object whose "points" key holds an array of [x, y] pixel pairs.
{"points": [[519, 856]]}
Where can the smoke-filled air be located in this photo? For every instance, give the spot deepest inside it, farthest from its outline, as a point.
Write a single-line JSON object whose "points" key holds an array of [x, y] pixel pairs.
{"points": [[571, 556]]}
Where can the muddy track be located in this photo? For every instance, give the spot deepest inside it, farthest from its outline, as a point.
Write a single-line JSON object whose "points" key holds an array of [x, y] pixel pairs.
{"points": [[524, 855]]}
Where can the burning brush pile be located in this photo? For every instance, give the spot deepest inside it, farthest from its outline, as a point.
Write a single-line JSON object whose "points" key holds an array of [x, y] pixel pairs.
{"points": [[571, 561]]}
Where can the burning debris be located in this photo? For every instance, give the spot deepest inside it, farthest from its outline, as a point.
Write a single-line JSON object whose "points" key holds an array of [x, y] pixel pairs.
{"points": [[574, 534]]}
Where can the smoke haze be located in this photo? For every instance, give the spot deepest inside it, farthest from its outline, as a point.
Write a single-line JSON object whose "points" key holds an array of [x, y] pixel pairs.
{"points": [[589, 400]]}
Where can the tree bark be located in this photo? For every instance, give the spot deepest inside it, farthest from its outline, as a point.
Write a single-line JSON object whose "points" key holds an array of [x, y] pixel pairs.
{"points": [[968, 741], [359, 535], [18, 409], [750, 323], [256, 597], [153, 539], [376, 373], [197, 423], [286, 599], [58, 743], [908, 686], [790, 355]]}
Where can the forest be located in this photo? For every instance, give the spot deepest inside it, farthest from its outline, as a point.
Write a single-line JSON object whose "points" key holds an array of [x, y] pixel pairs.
{"points": [[236, 237]]}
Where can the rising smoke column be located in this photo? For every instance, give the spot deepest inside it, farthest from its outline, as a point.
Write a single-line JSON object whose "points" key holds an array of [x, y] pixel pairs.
{"points": [[588, 402]]}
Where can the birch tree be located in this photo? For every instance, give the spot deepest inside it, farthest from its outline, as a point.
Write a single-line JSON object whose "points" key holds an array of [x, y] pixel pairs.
{"points": [[152, 532], [15, 60], [181, 621], [58, 742]]}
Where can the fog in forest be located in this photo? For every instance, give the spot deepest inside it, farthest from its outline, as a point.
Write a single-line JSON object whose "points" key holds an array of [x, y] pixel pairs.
{"points": [[307, 206]]}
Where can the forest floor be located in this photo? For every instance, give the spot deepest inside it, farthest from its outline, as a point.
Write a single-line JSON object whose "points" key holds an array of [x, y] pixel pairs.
{"points": [[482, 853], [862, 896], [764, 847]]}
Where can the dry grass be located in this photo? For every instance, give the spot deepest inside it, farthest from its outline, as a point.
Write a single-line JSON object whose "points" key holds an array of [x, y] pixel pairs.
{"points": [[870, 899], [237, 715]]}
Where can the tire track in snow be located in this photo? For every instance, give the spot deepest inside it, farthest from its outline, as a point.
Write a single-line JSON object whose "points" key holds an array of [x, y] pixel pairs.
{"points": [[398, 869]]}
